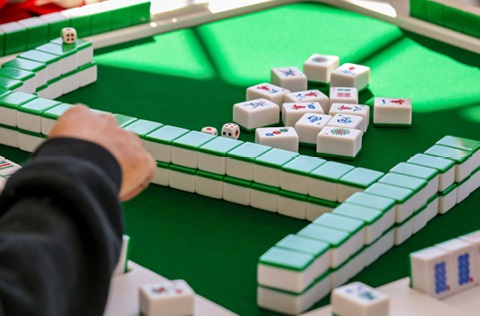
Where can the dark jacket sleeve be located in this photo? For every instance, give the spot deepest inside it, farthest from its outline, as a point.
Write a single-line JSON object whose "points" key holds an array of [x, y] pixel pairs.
{"points": [[60, 231]]}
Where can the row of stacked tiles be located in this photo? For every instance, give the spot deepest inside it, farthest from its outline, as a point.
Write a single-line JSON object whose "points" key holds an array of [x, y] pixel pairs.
{"points": [[50, 70], [88, 20], [336, 246], [253, 163]]}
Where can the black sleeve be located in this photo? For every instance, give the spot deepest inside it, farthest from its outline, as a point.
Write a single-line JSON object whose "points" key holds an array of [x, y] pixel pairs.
{"points": [[60, 231]]}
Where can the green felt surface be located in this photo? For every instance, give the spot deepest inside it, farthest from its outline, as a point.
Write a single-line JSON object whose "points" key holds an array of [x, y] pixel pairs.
{"points": [[192, 77]]}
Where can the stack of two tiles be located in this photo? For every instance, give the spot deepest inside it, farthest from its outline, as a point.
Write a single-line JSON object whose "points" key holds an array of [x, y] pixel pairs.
{"points": [[189, 160], [448, 267], [410, 194], [465, 153], [296, 284], [20, 119], [68, 66]]}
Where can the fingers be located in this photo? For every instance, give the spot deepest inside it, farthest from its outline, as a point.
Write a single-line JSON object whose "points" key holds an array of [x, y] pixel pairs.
{"points": [[137, 165]]}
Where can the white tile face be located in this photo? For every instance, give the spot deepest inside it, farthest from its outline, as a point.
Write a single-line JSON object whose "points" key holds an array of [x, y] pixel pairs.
{"points": [[322, 189], [236, 194], [291, 207], [343, 95], [447, 202], [184, 157], [309, 125], [316, 210], [309, 96], [358, 299], [181, 181], [266, 175], [7, 167], [339, 141], [212, 163], [8, 116], [208, 187], [463, 256], [290, 78], [403, 232], [28, 142], [355, 109], [292, 112], [9, 137], [29, 86], [88, 76], [41, 77], [263, 200], [85, 56], [239, 169], [350, 75], [388, 111], [267, 91], [256, 113], [70, 83], [474, 239], [169, 298], [160, 152], [432, 272], [278, 137], [419, 221], [29, 122], [348, 121], [283, 279], [68, 64], [161, 176], [286, 303], [318, 68], [432, 209], [53, 70]]}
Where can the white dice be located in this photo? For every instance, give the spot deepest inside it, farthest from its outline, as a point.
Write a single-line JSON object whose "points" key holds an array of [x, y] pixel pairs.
{"points": [[210, 130], [318, 68], [290, 78], [350, 75], [170, 298], [278, 137], [69, 35], [358, 299], [231, 130]]}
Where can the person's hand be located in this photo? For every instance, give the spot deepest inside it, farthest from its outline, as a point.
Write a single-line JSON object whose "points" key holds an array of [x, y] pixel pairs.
{"points": [[137, 164]]}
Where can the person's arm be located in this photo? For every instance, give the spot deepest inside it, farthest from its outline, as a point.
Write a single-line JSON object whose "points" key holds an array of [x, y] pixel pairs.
{"points": [[60, 217]]}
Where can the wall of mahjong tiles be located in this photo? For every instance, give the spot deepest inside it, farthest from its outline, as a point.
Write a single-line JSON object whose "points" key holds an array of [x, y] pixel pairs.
{"points": [[192, 77]]}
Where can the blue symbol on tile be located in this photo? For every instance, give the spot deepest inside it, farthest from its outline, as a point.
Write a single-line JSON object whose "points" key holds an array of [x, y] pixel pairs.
{"points": [[440, 275], [314, 118], [311, 106], [463, 269], [345, 120]]}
